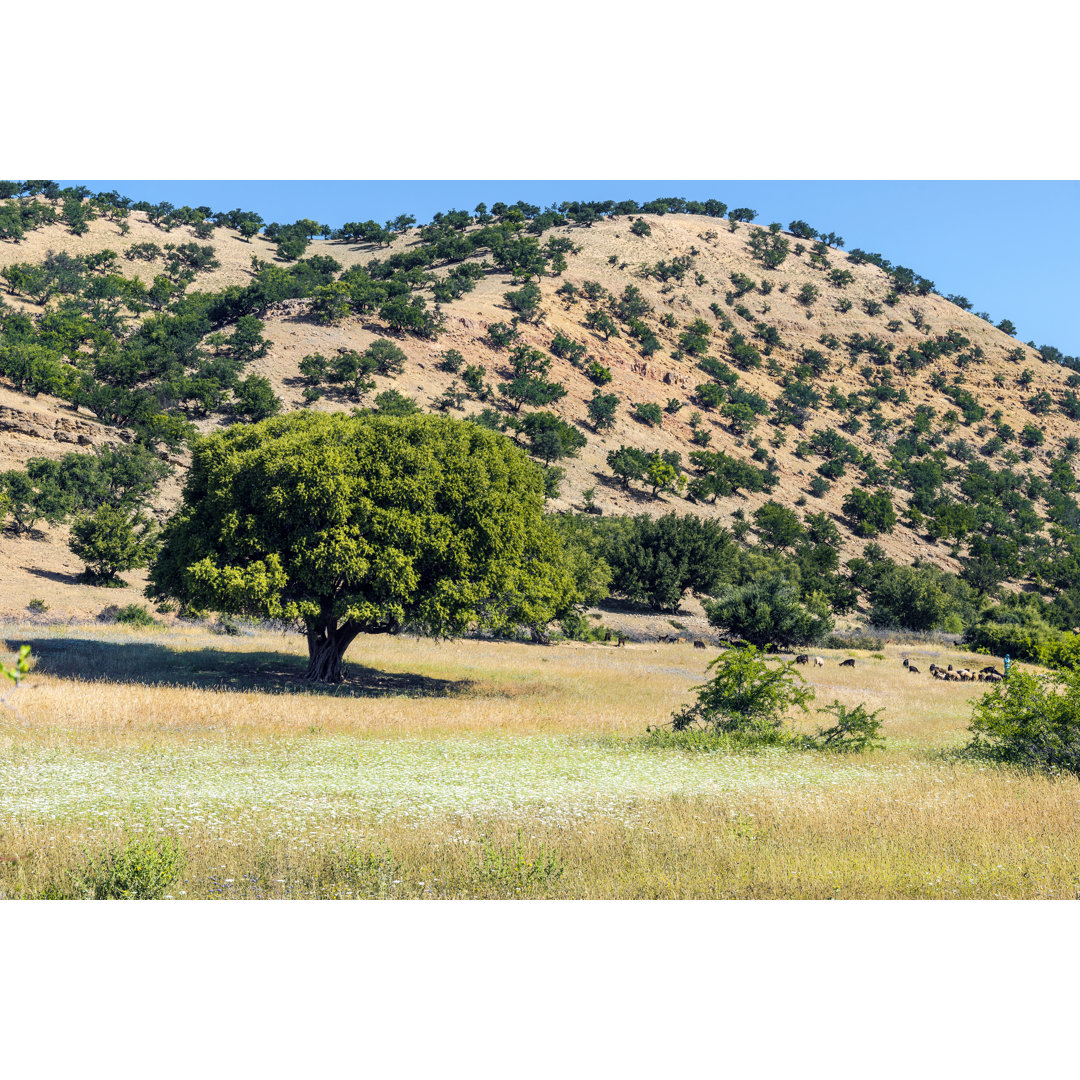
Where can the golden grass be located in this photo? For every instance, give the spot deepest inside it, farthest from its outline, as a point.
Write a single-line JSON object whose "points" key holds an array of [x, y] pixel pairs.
{"points": [[189, 679], [445, 724]]}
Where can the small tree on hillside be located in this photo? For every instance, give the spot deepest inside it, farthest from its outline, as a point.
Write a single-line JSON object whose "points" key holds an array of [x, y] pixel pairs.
{"points": [[869, 514], [254, 399], [386, 356], [601, 322], [662, 475], [551, 437], [528, 385], [394, 403], [778, 526], [648, 412], [601, 409], [628, 463], [111, 541], [525, 301], [349, 369]]}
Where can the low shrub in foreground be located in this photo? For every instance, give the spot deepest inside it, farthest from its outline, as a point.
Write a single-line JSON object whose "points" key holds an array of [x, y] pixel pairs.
{"points": [[746, 696], [1030, 720], [855, 730], [138, 870], [744, 704]]}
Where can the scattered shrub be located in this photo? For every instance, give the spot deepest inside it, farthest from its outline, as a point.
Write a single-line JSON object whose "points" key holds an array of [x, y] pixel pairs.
{"points": [[598, 373], [139, 870], [746, 697], [855, 730], [1030, 720], [131, 615], [647, 412]]}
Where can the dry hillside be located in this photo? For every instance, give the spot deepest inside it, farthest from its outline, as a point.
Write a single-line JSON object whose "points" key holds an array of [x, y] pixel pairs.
{"points": [[612, 256]]}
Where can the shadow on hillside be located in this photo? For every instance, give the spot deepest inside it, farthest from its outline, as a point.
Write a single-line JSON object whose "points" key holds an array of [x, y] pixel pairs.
{"points": [[147, 663], [613, 483], [55, 575]]}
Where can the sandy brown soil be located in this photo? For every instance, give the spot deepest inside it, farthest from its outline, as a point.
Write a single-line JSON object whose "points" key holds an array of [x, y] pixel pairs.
{"points": [[717, 253]]}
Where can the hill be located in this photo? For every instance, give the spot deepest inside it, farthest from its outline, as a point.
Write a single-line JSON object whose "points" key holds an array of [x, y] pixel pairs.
{"points": [[808, 372]]}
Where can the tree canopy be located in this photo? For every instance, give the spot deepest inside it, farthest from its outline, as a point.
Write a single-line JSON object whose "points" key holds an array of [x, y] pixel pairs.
{"points": [[364, 524]]}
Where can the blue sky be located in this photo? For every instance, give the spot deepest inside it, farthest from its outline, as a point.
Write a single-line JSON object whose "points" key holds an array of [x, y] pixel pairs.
{"points": [[1008, 246]]}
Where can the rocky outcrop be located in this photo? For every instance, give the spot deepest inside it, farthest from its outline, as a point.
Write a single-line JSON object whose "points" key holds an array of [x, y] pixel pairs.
{"points": [[36, 425]]}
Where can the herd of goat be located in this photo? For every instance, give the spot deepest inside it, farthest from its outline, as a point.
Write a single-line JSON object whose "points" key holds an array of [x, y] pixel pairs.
{"points": [[948, 674]]}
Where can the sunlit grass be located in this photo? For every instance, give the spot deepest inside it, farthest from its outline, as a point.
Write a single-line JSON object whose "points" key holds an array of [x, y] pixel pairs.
{"points": [[392, 784]]}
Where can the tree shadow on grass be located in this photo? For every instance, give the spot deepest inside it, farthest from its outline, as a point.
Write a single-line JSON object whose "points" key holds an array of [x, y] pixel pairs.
{"points": [[146, 663]]}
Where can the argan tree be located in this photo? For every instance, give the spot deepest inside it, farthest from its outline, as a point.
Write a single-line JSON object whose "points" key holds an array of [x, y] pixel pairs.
{"points": [[348, 525], [110, 541]]}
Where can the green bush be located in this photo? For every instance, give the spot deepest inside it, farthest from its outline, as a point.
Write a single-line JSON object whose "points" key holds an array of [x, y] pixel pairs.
{"points": [[910, 597], [855, 730], [525, 302], [1020, 642], [500, 336], [110, 541], [746, 696], [551, 437], [869, 514], [1030, 720], [568, 349], [394, 403], [770, 612], [139, 870], [131, 615], [598, 373], [450, 361], [656, 560], [647, 412], [601, 409], [254, 399]]}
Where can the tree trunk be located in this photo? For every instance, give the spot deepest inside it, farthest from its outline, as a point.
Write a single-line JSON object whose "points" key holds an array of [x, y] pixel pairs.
{"points": [[326, 647]]}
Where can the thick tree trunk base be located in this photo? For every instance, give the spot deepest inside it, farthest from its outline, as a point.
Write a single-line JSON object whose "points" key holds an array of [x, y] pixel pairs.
{"points": [[326, 649], [324, 663]]}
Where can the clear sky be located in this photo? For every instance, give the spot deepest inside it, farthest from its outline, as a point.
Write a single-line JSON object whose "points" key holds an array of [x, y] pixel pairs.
{"points": [[1010, 247]]}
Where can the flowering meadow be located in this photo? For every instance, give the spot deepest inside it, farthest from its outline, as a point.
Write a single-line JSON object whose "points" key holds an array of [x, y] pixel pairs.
{"points": [[486, 769]]}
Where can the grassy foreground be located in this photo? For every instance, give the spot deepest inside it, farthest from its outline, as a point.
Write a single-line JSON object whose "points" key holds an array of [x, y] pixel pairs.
{"points": [[481, 769]]}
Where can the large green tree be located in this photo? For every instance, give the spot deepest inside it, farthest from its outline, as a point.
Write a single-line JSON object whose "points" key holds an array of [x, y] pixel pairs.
{"points": [[349, 525]]}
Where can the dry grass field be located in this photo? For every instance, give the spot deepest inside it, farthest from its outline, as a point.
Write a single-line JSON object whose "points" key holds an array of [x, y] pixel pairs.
{"points": [[491, 769]]}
